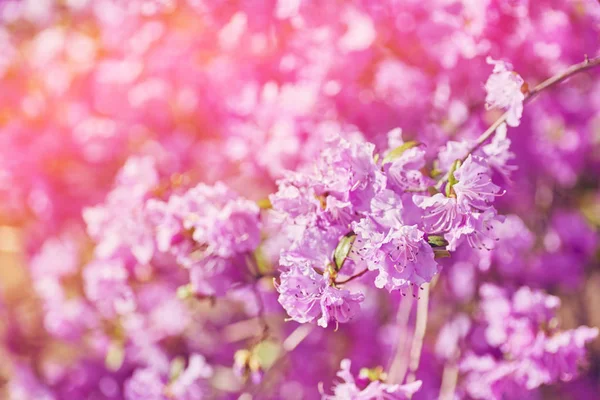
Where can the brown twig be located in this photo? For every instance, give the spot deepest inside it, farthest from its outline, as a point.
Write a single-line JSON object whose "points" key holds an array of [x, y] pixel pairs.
{"points": [[361, 273], [586, 64], [261, 311]]}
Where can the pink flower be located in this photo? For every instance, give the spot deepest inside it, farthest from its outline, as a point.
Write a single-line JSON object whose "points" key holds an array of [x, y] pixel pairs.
{"points": [[308, 296], [475, 189], [398, 252], [300, 292], [504, 90], [105, 284], [339, 305], [440, 213]]}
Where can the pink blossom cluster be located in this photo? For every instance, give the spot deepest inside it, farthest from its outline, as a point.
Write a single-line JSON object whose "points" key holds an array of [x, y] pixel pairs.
{"points": [[293, 199]]}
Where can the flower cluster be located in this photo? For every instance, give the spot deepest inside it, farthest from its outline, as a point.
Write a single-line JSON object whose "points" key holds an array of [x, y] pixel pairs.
{"points": [[525, 349], [188, 384], [208, 230]]}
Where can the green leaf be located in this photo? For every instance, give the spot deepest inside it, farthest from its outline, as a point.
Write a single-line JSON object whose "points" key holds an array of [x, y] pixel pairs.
{"points": [[373, 374], [437, 241], [397, 152], [435, 171], [451, 178], [438, 253], [343, 249], [262, 262]]}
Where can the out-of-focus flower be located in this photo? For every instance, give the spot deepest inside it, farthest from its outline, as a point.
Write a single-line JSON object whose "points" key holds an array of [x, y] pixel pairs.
{"points": [[106, 286], [505, 90], [348, 388]]}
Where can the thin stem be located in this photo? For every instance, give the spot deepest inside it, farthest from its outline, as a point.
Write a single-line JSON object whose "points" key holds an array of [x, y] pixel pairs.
{"points": [[399, 362], [361, 273], [421, 325], [261, 311], [449, 379], [586, 64]]}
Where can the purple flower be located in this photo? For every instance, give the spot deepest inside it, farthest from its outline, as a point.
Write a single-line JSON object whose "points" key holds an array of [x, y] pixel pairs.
{"points": [[58, 257], [376, 390], [221, 220], [478, 230], [347, 170], [514, 241], [308, 296], [488, 378], [513, 323], [69, 319], [504, 90], [403, 171], [536, 305], [341, 186], [214, 276], [338, 305], [497, 153], [300, 292], [138, 175], [440, 213], [165, 218], [532, 351], [563, 354], [145, 384], [474, 189], [164, 314], [25, 385], [191, 383], [569, 232], [105, 284], [208, 230], [120, 225], [151, 384], [451, 152], [295, 199], [398, 252], [451, 336], [314, 248]]}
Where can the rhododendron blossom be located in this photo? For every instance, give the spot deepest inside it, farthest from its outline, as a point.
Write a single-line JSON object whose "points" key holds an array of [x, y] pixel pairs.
{"points": [[505, 90]]}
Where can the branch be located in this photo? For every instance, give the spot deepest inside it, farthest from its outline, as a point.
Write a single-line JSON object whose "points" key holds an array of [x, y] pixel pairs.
{"points": [[566, 74], [261, 311], [361, 273], [421, 325], [449, 379], [399, 362]]}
